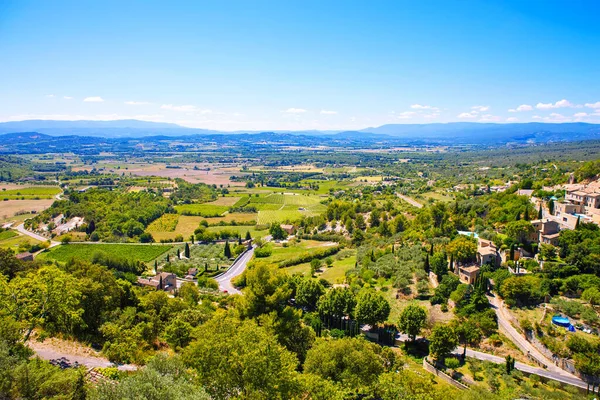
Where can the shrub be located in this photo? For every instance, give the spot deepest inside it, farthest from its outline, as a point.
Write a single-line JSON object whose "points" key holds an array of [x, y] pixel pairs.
{"points": [[451, 363]]}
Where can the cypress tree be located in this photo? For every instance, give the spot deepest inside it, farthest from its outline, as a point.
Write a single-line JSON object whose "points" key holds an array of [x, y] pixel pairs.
{"points": [[178, 254], [239, 240], [518, 216], [431, 250], [577, 223], [155, 266], [187, 251], [526, 215], [192, 238], [427, 263], [248, 237], [227, 251], [512, 252], [540, 212], [167, 258], [551, 207]]}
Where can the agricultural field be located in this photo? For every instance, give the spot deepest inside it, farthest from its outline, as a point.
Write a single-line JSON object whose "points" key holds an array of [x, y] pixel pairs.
{"points": [[241, 229], [225, 201], [336, 274], [292, 250], [31, 193], [9, 208], [166, 223], [279, 207], [145, 253], [203, 210], [202, 256], [17, 243], [7, 235]]}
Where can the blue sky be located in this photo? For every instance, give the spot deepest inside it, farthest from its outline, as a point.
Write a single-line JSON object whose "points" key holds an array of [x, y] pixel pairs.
{"points": [[235, 65]]}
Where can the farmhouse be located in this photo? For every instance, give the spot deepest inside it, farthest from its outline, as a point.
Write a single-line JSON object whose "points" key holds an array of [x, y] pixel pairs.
{"points": [[468, 274], [26, 256], [164, 281], [289, 229]]}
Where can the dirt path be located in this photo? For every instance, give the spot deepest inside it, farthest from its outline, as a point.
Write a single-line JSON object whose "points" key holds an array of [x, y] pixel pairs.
{"points": [[410, 201], [72, 352]]}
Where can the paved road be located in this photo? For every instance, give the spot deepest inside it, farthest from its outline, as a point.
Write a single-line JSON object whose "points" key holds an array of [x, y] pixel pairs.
{"points": [[21, 228], [520, 341], [236, 269], [410, 201], [560, 377]]}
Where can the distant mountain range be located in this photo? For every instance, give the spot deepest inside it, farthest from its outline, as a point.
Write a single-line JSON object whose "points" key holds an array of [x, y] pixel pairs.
{"points": [[438, 133]]}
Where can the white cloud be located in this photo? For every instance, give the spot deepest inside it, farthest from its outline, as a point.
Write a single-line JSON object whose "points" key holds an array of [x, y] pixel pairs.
{"points": [[295, 110], [67, 98], [522, 107], [406, 114], [185, 108], [94, 99], [423, 107], [559, 104], [512, 119], [136, 103], [466, 115], [431, 116], [595, 105], [50, 95], [480, 108], [328, 112], [581, 115]]}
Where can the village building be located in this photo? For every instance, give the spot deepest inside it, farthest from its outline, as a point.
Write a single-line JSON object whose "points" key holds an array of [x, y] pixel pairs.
{"points": [[468, 275], [166, 281], [289, 229], [26, 256]]}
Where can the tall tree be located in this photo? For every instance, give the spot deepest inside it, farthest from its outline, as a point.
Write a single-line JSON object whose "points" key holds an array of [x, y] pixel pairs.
{"points": [[412, 320], [442, 341], [371, 307], [227, 250]]}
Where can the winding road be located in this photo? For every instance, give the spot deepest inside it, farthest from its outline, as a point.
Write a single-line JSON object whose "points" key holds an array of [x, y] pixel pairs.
{"points": [[560, 377], [236, 269]]}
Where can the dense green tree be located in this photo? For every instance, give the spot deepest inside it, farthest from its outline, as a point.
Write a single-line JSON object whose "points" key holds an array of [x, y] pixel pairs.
{"points": [[337, 302], [354, 363], [308, 293], [442, 341], [266, 291], [467, 332], [235, 358], [277, 232], [371, 307], [163, 378], [412, 320], [462, 248]]}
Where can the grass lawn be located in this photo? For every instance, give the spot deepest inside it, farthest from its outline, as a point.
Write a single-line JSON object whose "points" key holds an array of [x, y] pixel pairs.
{"points": [[145, 253], [17, 241], [292, 250], [204, 209], [337, 272], [241, 229], [31, 193], [7, 235]]}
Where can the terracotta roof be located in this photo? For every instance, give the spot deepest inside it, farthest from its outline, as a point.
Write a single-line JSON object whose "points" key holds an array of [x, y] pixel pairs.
{"points": [[470, 269]]}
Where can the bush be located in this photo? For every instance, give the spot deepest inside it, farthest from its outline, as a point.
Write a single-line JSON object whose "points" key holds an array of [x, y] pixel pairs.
{"points": [[452, 363], [264, 251]]}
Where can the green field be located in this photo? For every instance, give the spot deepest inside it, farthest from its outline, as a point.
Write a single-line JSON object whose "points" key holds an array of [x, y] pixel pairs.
{"points": [[279, 207], [7, 235], [166, 223], [140, 252], [17, 242], [31, 193], [205, 210], [241, 229]]}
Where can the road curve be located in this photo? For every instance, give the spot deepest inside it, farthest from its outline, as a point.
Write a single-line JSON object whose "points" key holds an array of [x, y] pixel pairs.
{"points": [[520, 341], [563, 378], [236, 269], [21, 229]]}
